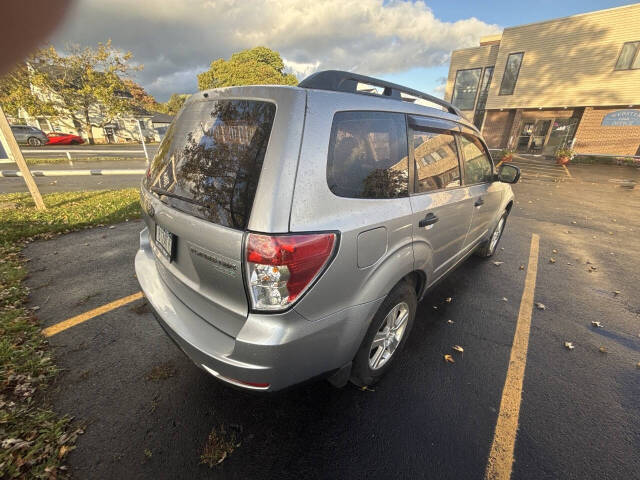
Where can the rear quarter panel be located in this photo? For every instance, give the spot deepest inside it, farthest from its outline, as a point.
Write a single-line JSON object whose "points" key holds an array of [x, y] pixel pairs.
{"points": [[316, 208]]}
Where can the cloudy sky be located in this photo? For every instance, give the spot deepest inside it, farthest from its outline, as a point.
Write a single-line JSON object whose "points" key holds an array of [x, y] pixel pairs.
{"points": [[403, 41]]}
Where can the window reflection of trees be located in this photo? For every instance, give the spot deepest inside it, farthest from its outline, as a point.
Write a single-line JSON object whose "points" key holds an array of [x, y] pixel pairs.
{"points": [[218, 163], [368, 156]]}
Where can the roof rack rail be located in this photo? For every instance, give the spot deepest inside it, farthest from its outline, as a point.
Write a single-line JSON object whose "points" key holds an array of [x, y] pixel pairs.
{"points": [[340, 81]]}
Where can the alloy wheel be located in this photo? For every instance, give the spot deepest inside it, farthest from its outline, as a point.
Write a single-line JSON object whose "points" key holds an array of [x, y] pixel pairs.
{"points": [[496, 235], [388, 337]]}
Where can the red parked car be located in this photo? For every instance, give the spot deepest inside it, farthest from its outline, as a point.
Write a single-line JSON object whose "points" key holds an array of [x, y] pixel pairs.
{"points": [[57, 138]]}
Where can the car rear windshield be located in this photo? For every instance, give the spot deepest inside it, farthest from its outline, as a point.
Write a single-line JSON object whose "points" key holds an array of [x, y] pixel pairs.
{"points": [[209, 162]]}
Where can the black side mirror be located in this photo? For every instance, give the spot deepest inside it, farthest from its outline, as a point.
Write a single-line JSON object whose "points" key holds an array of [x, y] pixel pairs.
{"points": [[508, 173]]}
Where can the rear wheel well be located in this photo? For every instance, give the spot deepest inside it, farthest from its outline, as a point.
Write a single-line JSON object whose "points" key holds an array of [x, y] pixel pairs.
{"points": [[417, 280]]}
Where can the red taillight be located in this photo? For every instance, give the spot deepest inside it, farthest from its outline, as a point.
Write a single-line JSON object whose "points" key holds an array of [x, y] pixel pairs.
{"points": [[280, 268]]}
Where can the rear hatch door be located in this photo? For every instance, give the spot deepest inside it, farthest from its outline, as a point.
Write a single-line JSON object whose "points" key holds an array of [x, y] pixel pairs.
{"points": [[201, 186]]}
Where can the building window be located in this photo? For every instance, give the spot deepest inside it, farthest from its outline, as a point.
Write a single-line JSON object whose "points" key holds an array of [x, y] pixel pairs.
{"points": [[478, 117], [511, 71], [629, 56], [465, 88]]}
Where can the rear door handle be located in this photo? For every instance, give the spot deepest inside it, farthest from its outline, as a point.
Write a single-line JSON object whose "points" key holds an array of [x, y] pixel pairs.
{"points": [[429, 219], [479, 202]]}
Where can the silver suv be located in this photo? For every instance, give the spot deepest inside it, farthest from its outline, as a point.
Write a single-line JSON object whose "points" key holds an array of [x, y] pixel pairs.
{"points": [[291, 231], [28, 135]]}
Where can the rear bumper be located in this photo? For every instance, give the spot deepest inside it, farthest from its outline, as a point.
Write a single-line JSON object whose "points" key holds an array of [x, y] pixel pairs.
{"points": [[275, 349]]}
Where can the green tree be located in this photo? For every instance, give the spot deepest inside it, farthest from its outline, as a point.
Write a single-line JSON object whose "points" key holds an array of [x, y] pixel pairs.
{"points": [[174, 104], [141, 99], [86, 85], [256, 66]]}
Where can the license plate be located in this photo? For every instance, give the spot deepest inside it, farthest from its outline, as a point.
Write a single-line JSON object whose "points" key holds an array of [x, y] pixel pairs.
{"points": [[165, 241]]}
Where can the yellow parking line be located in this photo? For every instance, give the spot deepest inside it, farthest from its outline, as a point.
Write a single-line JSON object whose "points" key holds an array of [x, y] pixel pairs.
{"points": [[567, 171], [83, 317], [501, 456]]}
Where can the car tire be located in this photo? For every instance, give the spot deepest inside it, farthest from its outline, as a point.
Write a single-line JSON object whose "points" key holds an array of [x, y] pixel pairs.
{"points": [[34, 142], [400, 301], [487, 248]]}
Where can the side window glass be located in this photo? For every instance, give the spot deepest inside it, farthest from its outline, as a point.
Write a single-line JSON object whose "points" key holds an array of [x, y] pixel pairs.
{"points": [[436, 160], [477, 165], [368, 155]]}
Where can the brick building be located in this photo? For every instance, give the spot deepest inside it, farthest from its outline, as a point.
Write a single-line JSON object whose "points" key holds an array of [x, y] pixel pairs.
{"points": [[568, 81]]}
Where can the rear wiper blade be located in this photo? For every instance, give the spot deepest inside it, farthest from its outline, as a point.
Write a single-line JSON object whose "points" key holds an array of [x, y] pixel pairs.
{"points": [[166, 193]]}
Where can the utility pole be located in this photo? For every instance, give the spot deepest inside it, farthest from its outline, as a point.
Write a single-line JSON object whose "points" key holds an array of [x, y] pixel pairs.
{"points": [[144, 146], [13, 152]]}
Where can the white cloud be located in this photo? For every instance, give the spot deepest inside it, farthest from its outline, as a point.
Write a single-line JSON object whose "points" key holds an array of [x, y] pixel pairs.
{"points": [[174, 39], [301, 69]]}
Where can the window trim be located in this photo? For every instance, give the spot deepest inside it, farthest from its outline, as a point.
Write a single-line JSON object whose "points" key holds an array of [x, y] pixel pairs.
{"points": [[517, 73], [413, 174], [633, 59], [468, 133], [475, 98]]}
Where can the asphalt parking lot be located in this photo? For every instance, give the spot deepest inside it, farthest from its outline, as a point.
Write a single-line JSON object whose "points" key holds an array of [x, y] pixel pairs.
{"points": [[149, 411]]}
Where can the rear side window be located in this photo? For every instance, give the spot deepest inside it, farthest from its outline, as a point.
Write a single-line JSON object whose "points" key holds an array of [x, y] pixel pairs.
{"points": [[436, 159], [368, 155], [210, 160], [477, 165]]}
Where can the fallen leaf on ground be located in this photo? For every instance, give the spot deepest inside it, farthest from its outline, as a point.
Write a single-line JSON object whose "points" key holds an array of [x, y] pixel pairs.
{"points": [[364, 388], [435, 307], [616, 292], [505, 299], [521, 267], [569, 345], [602, 350], [552, 260], [573, 222], [448, 299], [497, 264], [554, 251], [540, 306], [597, 324], [449, 358], [458, 348], [569, 263], [64, 449], [450, 322], [610, 233], [111, 227]]}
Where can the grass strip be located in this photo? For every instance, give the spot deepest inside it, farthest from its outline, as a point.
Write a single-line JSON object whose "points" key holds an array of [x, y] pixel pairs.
{"points": [[35, 440]]}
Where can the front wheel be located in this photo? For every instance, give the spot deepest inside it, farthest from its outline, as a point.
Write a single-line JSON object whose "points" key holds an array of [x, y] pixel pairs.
{"points": [[488, 248], [386, 336]]}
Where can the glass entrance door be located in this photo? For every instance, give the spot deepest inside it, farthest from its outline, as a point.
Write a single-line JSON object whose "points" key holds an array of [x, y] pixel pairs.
{"points": [[561, 135], [533, 135], [525, 137]]}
